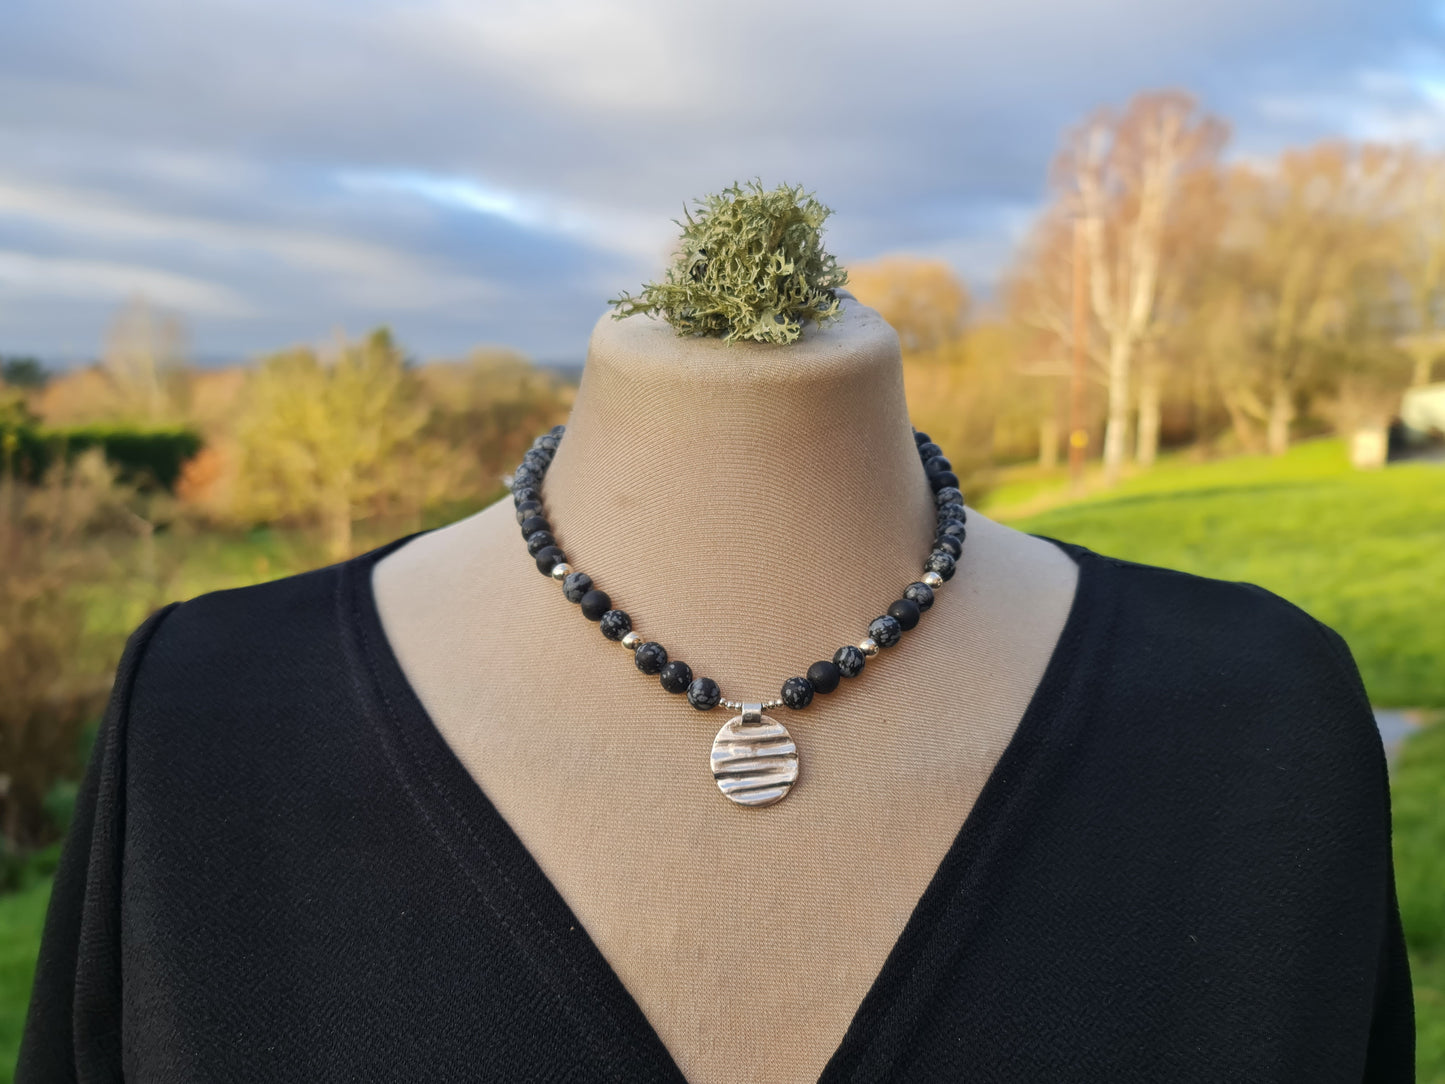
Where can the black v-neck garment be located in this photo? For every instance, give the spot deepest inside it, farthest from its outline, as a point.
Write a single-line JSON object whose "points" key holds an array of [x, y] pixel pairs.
{"points": [[1179, 870]]}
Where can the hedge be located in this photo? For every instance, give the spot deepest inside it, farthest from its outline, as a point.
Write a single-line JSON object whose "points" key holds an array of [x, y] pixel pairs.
{"points": [[143, 457]]}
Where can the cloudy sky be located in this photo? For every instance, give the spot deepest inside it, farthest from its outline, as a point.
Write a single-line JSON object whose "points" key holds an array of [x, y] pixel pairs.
{"points": [[477, 172]]}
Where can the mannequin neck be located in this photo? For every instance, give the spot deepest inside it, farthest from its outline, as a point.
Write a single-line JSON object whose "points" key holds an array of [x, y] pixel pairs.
{"points": [[732, 497]]}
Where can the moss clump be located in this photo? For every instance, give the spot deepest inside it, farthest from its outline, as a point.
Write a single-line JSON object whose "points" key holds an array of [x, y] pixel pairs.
{"points": [[750, 265]]}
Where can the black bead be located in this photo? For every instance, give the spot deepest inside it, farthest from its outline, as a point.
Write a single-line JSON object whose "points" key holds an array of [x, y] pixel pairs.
{"points": [[937, 465], [524, 494], [940, 562], [676, 676], [797, 692], [548, 441], [558, 430], [548, 558], [650, 657], [950, 545], [576, 585], [885, 630], [825, 676], [526, 476], [704, 694], [947, 495], [534, 523], [920, 436], [849, 660], [927, 450], [615, 624], [527, 509], [594, 604], [537, 541], [537, 460], [944, 479], [921, 595], [952, 511], [905, 611], [955, 528]]}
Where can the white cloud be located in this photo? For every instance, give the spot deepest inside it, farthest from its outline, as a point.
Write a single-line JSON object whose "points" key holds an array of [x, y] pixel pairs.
{"points": [[28, 276]]}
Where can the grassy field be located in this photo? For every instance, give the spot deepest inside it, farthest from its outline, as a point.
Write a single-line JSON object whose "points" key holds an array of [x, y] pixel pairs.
{"points": [[1363, 552]]}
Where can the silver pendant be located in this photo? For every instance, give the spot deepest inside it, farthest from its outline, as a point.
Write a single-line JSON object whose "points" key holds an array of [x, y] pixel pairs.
{"points": [[754, 759]]}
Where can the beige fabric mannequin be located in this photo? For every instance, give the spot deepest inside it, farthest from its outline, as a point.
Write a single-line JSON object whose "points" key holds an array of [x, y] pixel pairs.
{"points": [[752, 507]]}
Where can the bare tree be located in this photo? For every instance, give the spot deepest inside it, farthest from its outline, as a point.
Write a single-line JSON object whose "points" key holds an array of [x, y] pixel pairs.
{"points": [[1422, 259], [144, 358], [1121, 174]]}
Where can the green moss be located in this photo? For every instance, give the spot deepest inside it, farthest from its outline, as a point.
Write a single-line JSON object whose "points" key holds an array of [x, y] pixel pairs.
{"points": [[750, 265]]}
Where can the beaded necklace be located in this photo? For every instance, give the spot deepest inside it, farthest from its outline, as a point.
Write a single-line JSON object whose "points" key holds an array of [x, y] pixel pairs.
{"points": [[754, 759]]}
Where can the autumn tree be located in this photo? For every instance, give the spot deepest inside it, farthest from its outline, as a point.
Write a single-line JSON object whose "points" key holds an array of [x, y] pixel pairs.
{"points": [[1121, 174], [922, 299], [1308, 240], [323, 437]]}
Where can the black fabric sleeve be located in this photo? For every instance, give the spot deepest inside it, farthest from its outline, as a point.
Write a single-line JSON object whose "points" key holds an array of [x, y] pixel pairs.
{"points": [[72, 1030], [1390, 1055]]}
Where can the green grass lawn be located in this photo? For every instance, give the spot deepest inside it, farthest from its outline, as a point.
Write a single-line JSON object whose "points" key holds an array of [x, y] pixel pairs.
{"points": [[21, 916], [1362, 551]]}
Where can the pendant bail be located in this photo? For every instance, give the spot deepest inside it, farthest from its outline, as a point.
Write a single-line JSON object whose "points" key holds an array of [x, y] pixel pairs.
{"points": [[752, 713]]}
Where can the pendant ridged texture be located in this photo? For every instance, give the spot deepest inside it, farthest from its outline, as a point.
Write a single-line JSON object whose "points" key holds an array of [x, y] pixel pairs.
{"points": [[754, 759]]}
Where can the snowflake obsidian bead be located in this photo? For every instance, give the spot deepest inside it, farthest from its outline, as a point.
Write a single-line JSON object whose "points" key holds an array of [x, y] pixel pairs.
{"points": [[849, 660], [885, 631], [615, 624], [534, 523], [949, 494], [549, 558], [527, 509], [703, 694], [676, 676], [927, 450], [524, 494], [576, 585], [650, 657], [950, 545], [797, 692], [940, 562], [944, 479], [920, 593]]}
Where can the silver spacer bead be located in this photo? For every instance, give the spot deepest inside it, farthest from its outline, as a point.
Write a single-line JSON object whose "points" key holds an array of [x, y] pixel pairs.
{"points": [[932, 579], [561, 570], [737, 705], [631, 640], [868, 646]]}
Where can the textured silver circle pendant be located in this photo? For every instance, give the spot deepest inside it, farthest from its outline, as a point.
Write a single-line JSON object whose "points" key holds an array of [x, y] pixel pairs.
{"points": [[754, 759]]}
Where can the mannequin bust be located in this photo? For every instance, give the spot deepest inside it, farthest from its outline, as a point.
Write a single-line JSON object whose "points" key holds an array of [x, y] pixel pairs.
{"points": [[752, 507]]}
